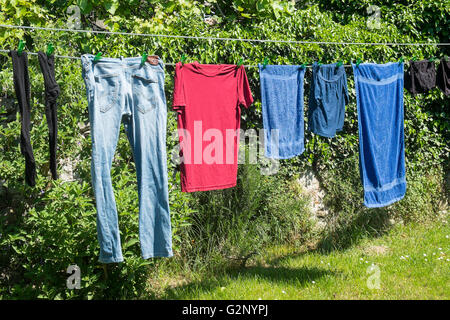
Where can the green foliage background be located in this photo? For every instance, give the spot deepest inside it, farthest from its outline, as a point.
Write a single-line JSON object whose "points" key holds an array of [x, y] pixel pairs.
{"points": [[45, 229]]}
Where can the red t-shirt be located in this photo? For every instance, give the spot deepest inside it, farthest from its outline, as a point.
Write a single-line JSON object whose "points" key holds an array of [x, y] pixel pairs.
{"points": [[207, 99]]}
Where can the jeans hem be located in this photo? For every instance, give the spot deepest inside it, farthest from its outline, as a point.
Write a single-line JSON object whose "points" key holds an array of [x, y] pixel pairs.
{"points": [[166, 254], [111, 260]]}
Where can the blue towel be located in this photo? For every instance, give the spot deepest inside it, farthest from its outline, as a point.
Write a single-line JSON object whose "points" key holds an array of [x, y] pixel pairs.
{"points": [[379, 97], [282, 110], [327, 99]]}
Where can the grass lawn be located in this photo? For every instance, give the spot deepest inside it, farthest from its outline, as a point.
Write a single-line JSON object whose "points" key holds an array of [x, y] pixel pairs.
{"points": [[412, 261]]}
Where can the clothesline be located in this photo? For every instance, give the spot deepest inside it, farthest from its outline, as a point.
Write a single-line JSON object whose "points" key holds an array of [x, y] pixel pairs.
{"points": [[225, 38], [205, 38], [209, 94], [167, 64], [35, 54]]}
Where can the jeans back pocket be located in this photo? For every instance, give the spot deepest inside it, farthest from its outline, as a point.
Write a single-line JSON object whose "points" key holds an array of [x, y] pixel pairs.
{"points": [[107, 90], [145, 90]]}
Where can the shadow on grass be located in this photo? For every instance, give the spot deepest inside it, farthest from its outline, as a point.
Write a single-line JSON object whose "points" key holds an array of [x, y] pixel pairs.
{"points": [[366, 223], [277, 275], [370, 224]]}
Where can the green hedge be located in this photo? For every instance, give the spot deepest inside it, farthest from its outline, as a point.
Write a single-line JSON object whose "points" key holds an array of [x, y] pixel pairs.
{"points": [[45, 229]]}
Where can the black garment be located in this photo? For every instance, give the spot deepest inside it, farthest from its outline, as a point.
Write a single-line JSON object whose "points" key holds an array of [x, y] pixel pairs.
{"points": [[443, 77], [420, 77], [51, 94], [22, 87]]}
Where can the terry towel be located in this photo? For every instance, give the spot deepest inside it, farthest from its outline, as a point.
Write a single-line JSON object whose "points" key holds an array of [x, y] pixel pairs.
{"points": [[379, 95], [282, 110]]}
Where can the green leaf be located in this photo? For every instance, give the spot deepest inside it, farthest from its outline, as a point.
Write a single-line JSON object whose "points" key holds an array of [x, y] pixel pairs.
{"points": [[85, 6], [131, 242], [111, 6]]}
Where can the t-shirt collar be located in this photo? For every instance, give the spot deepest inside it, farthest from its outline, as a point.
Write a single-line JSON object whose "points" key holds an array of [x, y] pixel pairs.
{"points": [[208, 69]]}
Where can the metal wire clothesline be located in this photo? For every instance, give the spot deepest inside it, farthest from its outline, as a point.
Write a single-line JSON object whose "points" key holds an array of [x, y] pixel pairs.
{"points": [[209, 38], [167, 64], [225, 38]]}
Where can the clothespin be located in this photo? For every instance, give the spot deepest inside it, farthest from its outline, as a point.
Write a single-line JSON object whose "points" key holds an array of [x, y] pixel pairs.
{"points": [[266, 61], [98, 56], [414, 58], [183, 58], [303, 65], [240, 63], [319, 63], [340, 63], [432, 59], [144, 58], [358, 61], [401, 60], [50, 49], [21, 47]]}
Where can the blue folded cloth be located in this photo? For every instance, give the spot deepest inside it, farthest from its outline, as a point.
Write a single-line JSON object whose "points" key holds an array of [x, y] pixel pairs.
{"points": [[282, 110], [379, 96]]}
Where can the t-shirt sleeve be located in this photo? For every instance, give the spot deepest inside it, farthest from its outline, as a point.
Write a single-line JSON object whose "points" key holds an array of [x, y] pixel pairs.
{"points": [[245, 97], [179, 99]]}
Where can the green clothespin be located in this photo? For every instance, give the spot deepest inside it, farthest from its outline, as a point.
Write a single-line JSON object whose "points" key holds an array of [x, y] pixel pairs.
{"points": [[98, 56], [432, 59], [266, 61], [319, 63], [183, 58], [50, 49], [340, 63], [144, 58], [414, 58], [240, 63], [401, 60], [358, 61], [303, 65], [21, 47]]}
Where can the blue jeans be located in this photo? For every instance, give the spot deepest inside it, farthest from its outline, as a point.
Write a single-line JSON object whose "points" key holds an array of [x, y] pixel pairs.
{"points": [[121, 90]]}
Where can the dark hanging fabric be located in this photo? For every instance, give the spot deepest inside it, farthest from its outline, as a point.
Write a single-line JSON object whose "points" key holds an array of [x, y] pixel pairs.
{"points": [[52, 91], [327, 99], [443, 77], [22, 88], [420, 77]]}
